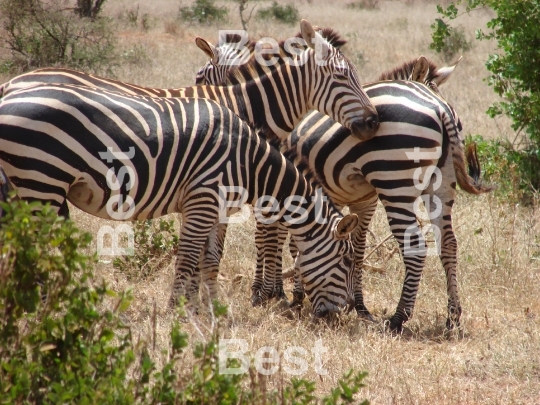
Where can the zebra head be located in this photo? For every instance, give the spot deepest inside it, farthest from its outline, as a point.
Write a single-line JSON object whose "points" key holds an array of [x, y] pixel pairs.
{"points": [[222, 58], [326, 265], [335, 86], [330, 81]]}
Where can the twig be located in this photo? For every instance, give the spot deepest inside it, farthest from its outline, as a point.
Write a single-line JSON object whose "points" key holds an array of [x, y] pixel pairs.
{"points": [[378, 246]]}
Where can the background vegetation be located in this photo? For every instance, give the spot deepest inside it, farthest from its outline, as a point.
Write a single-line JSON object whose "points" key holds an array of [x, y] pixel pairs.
{"points": [[497, 358], [514, 69]]}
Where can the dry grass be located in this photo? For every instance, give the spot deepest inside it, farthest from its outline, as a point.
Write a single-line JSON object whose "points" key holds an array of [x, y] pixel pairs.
{"points": [[497, 360]]}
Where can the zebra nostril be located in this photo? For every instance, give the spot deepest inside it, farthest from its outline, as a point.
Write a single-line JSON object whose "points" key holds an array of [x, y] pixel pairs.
{"points": [[365, 129], [372, 124]]}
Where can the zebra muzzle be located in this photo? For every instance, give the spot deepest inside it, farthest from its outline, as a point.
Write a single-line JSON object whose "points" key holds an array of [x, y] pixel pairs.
{"points": [[365, 129]]}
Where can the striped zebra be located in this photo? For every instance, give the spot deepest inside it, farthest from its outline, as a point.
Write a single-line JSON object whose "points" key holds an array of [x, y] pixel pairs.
{"points": [[66, 142], [414, 117]]}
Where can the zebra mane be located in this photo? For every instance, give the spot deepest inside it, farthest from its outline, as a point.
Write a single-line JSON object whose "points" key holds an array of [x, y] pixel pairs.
{"points": [[331, 36], [404, 71]]}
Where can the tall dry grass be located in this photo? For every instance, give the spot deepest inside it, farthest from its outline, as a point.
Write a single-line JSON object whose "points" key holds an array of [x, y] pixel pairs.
{"points": [[497, 358]]}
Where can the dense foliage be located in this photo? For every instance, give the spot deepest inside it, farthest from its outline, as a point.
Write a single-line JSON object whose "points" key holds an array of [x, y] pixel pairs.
{"points": [[287, 14], [203, 12], [514, 70]]}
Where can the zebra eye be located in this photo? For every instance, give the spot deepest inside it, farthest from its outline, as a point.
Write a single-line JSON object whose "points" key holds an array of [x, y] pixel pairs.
{"points": [[341, 77], [347, 261]]}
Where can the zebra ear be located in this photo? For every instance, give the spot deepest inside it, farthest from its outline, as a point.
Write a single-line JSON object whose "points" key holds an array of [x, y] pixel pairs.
{"points": [[444, 73], [313, 38], [208, 49], [420, 70], [345, 226]]}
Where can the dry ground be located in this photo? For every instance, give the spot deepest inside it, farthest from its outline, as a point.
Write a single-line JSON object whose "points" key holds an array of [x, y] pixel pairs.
{"points": [[497, 360]]}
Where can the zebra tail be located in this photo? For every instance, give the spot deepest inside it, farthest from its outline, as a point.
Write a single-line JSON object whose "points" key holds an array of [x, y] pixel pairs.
{"points": [[469, 182]]}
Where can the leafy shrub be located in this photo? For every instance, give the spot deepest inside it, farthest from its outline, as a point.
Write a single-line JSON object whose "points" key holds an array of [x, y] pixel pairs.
{"points": [[132, 16], [44, 33], [514, 69], [59, 349], [286, 14], [203, 12], [155, 242], [513, 171], [364, 5], [136, 55]]}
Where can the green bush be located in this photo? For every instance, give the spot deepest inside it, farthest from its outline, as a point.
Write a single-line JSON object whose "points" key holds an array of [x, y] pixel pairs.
{"points": [[512, 171], [203, 12], [514, 67], [155, 242], [44, 33], [286, 14]]}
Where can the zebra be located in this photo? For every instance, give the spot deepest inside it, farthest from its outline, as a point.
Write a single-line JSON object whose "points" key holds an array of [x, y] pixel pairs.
{"points": [[413, 114], [63, 142]]}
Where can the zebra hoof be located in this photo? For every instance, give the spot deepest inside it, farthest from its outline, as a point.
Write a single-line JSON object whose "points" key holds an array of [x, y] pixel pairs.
{"points": [[365, 316], [452, 324], [394, 326], [283, 304], [256, 300]]}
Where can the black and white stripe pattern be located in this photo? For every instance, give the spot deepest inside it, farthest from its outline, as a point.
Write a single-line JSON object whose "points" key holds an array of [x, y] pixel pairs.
{"points": [[272, 100], [54, 146]]}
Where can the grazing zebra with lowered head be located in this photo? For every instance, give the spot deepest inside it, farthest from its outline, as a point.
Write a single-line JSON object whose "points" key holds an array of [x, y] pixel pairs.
{"points": [[413, 118], [68, 142]]}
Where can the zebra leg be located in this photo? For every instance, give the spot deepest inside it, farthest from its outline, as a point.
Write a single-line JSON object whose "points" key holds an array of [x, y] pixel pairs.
{"points": [[211, 257], [298, 289], [441, 201], [365, 212], [63, 211], [193, 235], [270, 252], [279, 292], [258, 280], [405, 229]]}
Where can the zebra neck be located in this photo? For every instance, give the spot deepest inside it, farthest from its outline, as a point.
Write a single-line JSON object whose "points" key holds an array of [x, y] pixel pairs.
{"points": [[296, 203], [273, 101]]}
